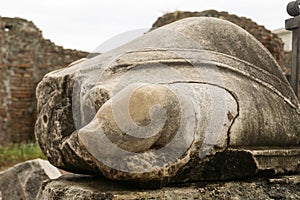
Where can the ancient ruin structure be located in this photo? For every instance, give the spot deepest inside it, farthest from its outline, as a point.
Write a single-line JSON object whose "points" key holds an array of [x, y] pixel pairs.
{"points": [[38, 180], [197, 99], [270, 40], [25, 57]]}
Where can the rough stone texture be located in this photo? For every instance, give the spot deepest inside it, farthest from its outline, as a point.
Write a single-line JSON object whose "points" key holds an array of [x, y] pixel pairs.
{"points": [[23, 181], [288, 67], [85, 187], [270, 40], [25, 57], [238, 114], [288, 61]]}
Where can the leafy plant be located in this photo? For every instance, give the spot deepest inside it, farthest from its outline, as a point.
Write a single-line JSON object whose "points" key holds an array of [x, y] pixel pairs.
{"points": [[16, 153]]}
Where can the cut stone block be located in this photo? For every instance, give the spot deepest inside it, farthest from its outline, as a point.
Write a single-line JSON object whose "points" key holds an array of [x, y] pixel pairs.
{"points": [[89, 187]]}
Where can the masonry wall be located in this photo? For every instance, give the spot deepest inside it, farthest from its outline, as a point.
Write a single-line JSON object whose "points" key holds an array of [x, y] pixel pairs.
{"points": [[25, 57], [270, 40]]}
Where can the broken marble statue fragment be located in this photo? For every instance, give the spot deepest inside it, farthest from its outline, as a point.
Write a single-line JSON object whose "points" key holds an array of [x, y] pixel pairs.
{"points": [[198, 99]]}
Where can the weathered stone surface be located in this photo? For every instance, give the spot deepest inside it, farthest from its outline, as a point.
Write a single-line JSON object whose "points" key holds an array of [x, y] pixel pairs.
{"points": [[23, 181], [85, 187], [198, 99]]}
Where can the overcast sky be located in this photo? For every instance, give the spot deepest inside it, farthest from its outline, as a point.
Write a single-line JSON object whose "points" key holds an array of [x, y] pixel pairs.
{"points": [[85, 24]]}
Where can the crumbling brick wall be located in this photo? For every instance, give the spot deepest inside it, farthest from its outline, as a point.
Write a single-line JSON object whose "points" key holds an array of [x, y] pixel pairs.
{"points": [[25, 57], [270, 40]]}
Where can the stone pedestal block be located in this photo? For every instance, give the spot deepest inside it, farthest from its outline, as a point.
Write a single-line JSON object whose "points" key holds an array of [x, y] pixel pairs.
{"points": [[89, 187]]}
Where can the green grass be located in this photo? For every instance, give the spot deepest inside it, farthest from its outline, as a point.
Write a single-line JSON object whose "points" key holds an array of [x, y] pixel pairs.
{"points": [[16, 153]]}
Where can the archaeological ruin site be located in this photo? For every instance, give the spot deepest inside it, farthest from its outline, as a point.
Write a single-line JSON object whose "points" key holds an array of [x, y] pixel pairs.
{"points": [[25, 57], [199, 107]]}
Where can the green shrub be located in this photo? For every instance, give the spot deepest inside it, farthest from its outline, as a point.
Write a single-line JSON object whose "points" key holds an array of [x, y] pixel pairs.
{"points": [[15, 153]]}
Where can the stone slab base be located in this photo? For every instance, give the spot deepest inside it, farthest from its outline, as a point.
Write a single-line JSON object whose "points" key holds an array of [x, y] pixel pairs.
{"points": [[89, 187]]}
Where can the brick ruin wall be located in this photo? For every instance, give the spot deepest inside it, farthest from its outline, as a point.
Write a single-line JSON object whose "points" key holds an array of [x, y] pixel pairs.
{"points": [[25, 57], [270, 40]]}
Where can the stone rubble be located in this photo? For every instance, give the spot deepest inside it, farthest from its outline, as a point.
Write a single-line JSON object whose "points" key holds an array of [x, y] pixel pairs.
{"points": [[25, 180]]}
